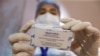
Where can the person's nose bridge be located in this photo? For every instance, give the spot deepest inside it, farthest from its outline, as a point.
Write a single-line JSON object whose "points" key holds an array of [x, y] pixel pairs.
{"points": [[47, 14]]}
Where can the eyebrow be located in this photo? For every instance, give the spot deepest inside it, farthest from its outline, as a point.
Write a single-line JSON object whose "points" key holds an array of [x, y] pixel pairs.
{"points": [[53, 9], [42, 9]]}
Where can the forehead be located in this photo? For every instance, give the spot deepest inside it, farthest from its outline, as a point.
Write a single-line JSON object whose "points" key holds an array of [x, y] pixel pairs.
{"points": [[48, 6]]}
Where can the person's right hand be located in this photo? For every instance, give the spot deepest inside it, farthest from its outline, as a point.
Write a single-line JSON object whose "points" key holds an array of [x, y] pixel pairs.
{"points": [[19, 41]]}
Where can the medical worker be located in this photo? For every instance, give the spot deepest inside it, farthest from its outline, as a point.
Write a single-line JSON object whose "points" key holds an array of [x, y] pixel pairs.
{"points": [[86, 36]]}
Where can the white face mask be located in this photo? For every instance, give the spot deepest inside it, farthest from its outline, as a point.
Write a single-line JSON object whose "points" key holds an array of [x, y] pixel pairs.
{"points": [[48, 19]]}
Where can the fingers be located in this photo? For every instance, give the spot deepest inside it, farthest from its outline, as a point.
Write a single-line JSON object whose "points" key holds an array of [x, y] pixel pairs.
{"points": [[22, 54], [66, 20], [22, 36], [19, 44], [27, 26], [74, 25], [85, 31], [19, 37], [93, 31], [19, 41], [70, 24], [22, 47], [80, 26]]}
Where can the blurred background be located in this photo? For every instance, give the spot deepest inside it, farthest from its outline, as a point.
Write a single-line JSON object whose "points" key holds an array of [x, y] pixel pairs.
{"points": [[15, 13]]}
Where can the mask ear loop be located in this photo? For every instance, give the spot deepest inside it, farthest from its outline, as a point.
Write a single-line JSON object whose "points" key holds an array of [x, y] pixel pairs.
{"points": [[44, 51]]}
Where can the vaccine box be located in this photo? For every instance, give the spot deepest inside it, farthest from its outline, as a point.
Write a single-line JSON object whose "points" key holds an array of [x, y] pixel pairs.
{"points": [[53, 37]]}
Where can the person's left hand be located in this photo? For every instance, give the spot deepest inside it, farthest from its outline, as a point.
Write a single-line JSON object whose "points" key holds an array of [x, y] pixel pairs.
{"points": [[19, 41], [86, 36]]}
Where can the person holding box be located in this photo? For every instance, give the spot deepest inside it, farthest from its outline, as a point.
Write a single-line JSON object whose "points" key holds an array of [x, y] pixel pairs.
{"points": [[86, 36]]}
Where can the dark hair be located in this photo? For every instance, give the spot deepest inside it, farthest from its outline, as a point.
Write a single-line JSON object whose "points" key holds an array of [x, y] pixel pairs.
{"points": [[46, 2]]}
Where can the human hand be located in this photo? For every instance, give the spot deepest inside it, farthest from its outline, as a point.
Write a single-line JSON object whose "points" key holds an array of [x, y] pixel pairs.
{"points": [[19, 41], [86, 36]]}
